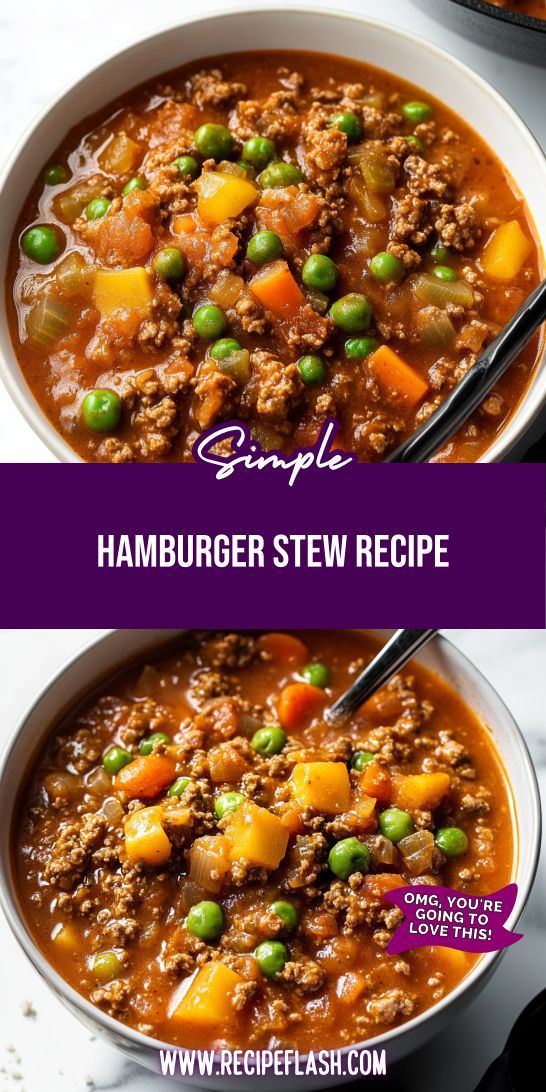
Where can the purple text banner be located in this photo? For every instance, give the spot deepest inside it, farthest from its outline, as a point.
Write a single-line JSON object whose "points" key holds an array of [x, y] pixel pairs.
{"points": [[170, 546]]}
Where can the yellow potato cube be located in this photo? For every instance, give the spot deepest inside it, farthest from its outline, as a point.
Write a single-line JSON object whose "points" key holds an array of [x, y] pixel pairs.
{"points": [[145, 839], [505, 252], [208, 1001], [323, 786], [255, 835], [116, 289], [222, 196], [422, 790]]}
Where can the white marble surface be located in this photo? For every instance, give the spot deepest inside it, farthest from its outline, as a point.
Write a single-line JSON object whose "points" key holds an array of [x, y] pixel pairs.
{"points": [[43, 47], [54, 1053]]}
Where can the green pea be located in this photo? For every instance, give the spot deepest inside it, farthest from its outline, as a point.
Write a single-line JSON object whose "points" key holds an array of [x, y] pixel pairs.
{"points": [[56, 174], [395, 824], [286, 912], [386, 267], [209, 322], [179, 786], [268, 741], [97, 208], [352, 313], [136, 183], [348, 856], [279, 174], [106, 966], [224, 348], [320, 272], [271, 956], [441, 254], [169, 263], [41, 244], [349, 124], [418, 144], [115, 759], [416, 112], [205, 920], [228, 801], [186, 165], [101, 410], [263, 247], [147, 745], [316, 674], [358, 348], [259, 151], [444, 273], [452, 841], [312, 370], [214, 142], [360, 759]]}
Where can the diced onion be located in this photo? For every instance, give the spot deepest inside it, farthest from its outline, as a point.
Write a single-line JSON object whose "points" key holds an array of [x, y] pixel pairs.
{"points": [[209, 862], [417, 850], [112, 809], [436, 330], [46, 322], [369, 204], [98, 780], [237, 365], [376, 171], [441, 293], [62, 785], [227, 290], [383, 851], [73, 275], [267, 438], [69, 204]]}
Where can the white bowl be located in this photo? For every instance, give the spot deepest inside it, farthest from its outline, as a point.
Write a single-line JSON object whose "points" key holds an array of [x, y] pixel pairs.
{"points": [[283, 27], [106, 656]]}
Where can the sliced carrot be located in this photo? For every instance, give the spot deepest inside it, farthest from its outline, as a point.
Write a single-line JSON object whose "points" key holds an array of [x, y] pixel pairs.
{"points": [[283, 648], [146, 776], [380, 885], [299, 703], [395, 376], [277, 290], [376, 782], [184, 225]]}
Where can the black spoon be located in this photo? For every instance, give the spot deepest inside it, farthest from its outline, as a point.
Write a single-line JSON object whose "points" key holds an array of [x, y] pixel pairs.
{"points": [[398, 650], [477, 382], [517, 1068]]}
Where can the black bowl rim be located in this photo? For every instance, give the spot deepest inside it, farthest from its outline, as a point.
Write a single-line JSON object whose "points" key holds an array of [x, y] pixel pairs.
{"points": [[504, 15]]}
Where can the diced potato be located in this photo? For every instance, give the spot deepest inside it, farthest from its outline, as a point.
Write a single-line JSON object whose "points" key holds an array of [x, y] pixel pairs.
{"points": [[208, 1003], [223, 196], [121, 155], [145, 839], [323, 786], [349, 987], [424, 791], [256, 835], [116, 289], [505, 252]]}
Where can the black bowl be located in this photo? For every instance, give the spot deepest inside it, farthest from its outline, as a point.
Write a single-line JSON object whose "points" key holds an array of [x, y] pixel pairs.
{"points": [[506, 31]]}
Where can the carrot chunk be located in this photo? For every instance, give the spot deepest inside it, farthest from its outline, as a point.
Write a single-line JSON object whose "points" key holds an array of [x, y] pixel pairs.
{"points": [[299, 703], [146, 776], [395, 376], [376, 782], [277, 290], [283, 648]]}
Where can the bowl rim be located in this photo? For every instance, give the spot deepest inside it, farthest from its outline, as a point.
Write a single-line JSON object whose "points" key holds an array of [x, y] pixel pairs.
{"points": [[504, 15], [144, 1044], [532, 399]]}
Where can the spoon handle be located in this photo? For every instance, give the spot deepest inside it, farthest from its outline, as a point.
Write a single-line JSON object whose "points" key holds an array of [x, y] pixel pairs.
{"points": [[477, 382], [401, 647]]}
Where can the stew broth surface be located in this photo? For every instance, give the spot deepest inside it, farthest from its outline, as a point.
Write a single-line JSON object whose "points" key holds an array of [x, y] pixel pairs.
{"points": [[111, 907], [411, 181]]}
